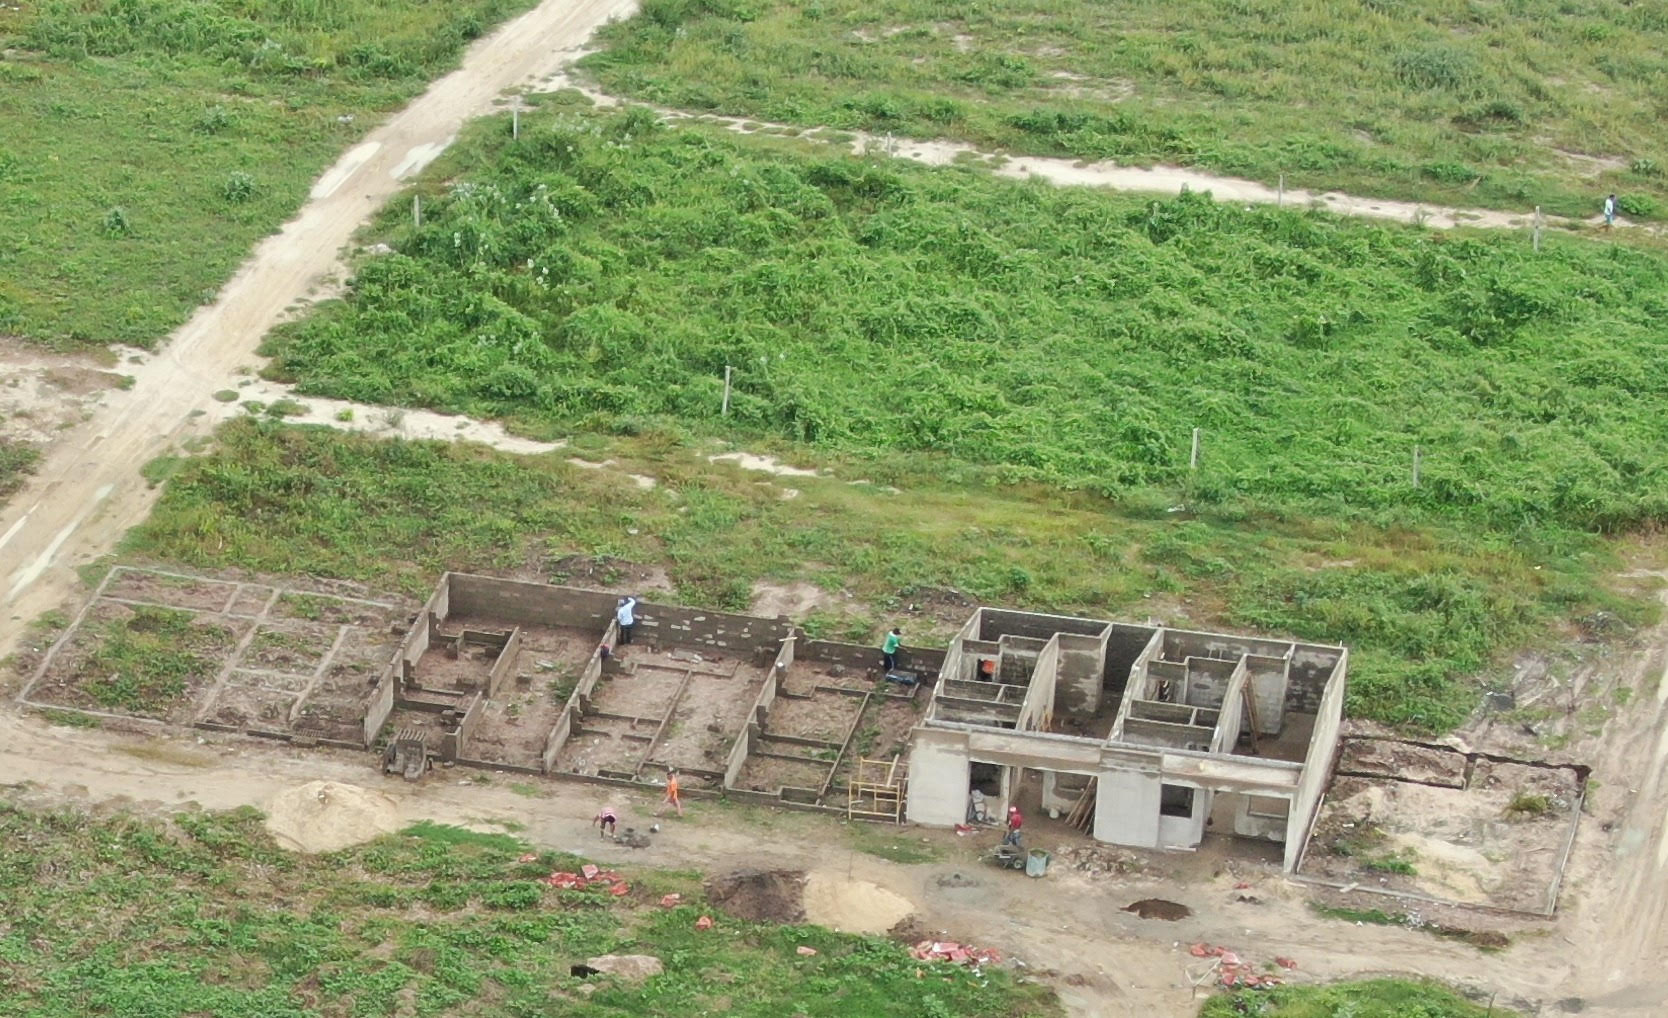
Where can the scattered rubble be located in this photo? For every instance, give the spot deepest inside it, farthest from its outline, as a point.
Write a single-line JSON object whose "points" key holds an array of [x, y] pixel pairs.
{"points": [[960, 954]]}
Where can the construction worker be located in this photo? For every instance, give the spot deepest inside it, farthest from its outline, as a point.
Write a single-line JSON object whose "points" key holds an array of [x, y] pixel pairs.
{"points": [[672, 798], [1610, 212], [1015, 822], [605, 821], [889, 649], [626, 615]]}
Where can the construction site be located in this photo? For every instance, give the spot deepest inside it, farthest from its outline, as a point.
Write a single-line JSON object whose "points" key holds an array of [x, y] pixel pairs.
{"points": [[1133, 735]]}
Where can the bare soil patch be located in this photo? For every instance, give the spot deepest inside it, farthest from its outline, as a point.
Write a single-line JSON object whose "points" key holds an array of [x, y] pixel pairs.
{"points": [[1389, 758], [822, 716], [327, 816], [1159, 908], [840, 902]]}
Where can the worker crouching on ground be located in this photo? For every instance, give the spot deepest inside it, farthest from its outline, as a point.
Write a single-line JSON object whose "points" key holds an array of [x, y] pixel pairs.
{"points": [[605, 821], [1015, 822]]}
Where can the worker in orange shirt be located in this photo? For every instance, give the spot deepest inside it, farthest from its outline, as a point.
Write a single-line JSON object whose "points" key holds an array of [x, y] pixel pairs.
{"points": [[672, 799]]}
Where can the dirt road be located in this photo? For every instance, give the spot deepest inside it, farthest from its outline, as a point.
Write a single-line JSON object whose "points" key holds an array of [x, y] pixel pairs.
{"points": [[1070, 928], [88, 490]]}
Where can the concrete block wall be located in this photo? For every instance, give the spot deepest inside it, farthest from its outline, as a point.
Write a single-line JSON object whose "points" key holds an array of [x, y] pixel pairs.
{"points": [[1126, 806], [926, 660], [1163, 733], [719, 631], [505, 664], [1180, 644], [995, 623], [454, 744], [529, 604], [412, 647]]}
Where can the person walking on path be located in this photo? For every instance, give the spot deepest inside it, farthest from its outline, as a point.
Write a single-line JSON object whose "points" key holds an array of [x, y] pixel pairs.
{"points": [[605, 821], [626, 616], [1015, 822], [889, 649], [672, 799], [1610, 212]]}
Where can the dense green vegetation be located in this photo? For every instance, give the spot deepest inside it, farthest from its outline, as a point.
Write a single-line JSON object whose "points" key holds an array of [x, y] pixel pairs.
{"points": [[1377, 998], [1420, 607], [1506, 105], [130, 917], [604, 271], [146, 144]]}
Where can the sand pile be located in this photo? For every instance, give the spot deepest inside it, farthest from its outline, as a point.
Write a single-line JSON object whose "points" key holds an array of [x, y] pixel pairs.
{"points": [[325, 816], [854, 906]]}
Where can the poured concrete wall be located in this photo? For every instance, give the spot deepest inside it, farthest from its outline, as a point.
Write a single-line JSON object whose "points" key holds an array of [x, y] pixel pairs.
{"points": [[1207, 680], [1039, 696], [1081, 678], [939, 777], [1317, 764], [1126, 807], [1267, 677]]}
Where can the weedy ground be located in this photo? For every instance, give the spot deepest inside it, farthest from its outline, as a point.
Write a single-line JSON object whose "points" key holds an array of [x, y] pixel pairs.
{"points": [[202, 914], [1375, 998], [1028, 364], [1423, 607], [145, 145], [1539, 103], [16, 460]]}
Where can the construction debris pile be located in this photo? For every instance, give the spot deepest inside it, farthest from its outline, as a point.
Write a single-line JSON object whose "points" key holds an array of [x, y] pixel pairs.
{"points": [[1098, 860], [589, 876], [1232, 971], [961, 954]]}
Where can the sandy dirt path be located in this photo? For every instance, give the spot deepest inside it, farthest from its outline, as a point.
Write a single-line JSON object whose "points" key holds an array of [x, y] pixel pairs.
{"points": [[1161, 179], [1069, 928], [88, 490]]}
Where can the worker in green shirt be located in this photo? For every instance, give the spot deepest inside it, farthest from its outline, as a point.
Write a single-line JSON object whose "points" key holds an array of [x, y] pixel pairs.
{"points": [[889, 649]]}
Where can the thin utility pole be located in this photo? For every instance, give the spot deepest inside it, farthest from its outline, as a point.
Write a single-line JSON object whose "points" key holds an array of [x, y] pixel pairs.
{"points": [[1417, 457], [515, 120], [726, 411], [1280, 197], [1539, 220], [417, 211], [1193, 458]]}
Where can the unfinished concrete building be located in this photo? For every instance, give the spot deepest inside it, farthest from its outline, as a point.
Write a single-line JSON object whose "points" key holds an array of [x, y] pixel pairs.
{"points": [[1141, 734]]}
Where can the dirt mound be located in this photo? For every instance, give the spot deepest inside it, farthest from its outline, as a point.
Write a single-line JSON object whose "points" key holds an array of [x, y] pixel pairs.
{"points": [[1159, 908], [854, 906], [324, 816], [761, 896], [911, 930]]}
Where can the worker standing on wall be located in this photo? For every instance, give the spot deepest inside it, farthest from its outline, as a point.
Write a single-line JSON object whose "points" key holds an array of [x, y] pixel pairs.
{"points": [[626, 616], [889, 649], [1015, 822]]}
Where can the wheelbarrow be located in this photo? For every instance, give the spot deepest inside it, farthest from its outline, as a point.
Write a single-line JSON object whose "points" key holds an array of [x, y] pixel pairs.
{"points": [[1008, 857]]}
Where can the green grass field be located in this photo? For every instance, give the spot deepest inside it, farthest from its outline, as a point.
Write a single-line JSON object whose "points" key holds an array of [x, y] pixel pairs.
{"points": [[130, 917], [1423, 608], [145, 145], [1376, 998], [1493, 104]]}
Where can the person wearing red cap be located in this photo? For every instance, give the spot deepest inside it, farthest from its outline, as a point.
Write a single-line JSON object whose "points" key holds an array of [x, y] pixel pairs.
{"points": [[1015, 822]]}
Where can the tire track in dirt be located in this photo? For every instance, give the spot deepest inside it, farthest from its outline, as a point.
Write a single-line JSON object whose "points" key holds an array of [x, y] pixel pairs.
{"points": [[88, 491]]}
